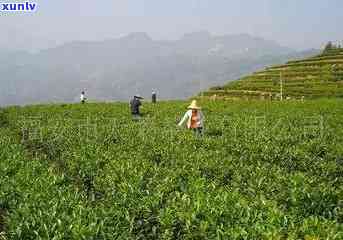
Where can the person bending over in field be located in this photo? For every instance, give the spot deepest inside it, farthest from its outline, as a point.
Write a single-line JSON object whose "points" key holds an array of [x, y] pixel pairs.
{"points": [[194, 118], [135, 103]]}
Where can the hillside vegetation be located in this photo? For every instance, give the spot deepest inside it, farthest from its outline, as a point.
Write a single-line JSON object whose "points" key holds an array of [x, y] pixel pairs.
{"points": [[318, 76], [263, 170]]}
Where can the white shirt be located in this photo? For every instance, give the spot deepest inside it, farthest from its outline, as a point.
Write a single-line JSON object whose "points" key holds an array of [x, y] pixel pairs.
{"points": [[82, 97], [188, 117]]}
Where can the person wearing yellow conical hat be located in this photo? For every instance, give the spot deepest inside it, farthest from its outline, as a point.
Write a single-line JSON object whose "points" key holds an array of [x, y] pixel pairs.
{"points": [[194, 118]]}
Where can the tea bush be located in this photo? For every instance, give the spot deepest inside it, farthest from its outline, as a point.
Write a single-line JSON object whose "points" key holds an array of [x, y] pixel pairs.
{"points": [[262, 170]]}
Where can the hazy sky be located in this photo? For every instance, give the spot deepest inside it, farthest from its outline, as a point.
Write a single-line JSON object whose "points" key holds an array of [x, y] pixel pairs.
{"points": [[299, 24]]}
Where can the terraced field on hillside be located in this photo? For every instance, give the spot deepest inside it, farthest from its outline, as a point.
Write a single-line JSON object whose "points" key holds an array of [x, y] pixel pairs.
{"points": [[318, 76]]}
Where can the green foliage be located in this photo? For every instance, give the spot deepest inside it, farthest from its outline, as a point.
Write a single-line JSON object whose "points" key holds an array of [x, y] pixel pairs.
{"points": [[262, 170], [3, 118], [315, 77]]}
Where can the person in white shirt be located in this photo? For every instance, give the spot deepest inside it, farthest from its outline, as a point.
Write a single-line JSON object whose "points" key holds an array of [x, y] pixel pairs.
{"points": [[83, 97], [194, 117]]}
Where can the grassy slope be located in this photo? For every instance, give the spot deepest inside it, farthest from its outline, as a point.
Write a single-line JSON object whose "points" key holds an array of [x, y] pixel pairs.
{"points": [[262, 171], [314, 77]]}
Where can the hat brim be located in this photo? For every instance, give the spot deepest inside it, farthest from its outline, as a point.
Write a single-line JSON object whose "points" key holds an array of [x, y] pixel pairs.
{"points": [[139, 97], [194, 107]]}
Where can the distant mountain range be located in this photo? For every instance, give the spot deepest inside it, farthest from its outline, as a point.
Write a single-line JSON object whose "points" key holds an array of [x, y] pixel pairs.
{"points": [[117, 69]]}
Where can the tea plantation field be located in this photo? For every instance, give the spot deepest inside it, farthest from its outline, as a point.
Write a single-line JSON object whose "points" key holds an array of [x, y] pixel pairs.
{"points": [[315, 77], [262, 170]]}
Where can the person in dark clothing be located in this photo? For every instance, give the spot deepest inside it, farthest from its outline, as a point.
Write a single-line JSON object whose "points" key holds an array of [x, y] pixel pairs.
{"points": [[153, 97], [135, 103]]}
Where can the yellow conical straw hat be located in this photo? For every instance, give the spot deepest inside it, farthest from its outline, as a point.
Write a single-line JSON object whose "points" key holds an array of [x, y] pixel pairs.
{"points": [[194, 105]]}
